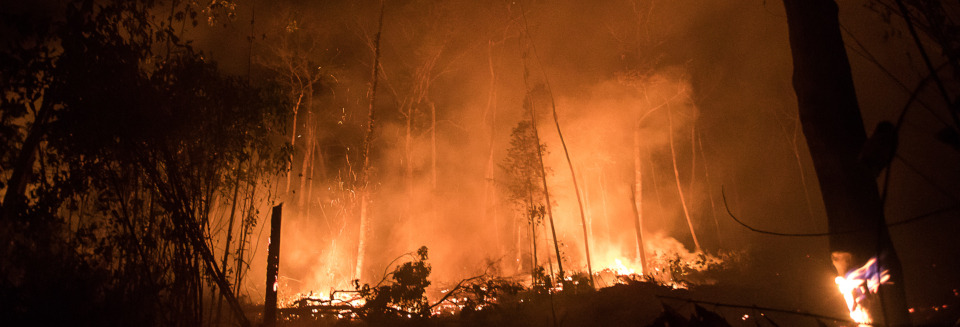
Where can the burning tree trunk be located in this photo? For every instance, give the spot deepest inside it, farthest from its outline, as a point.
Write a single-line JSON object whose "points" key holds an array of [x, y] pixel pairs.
{"points": [[835, 134], [273, 268], [365, 178]]}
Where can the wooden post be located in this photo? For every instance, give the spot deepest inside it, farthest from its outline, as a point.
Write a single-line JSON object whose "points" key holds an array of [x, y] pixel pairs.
{"points": [[273, 268]]}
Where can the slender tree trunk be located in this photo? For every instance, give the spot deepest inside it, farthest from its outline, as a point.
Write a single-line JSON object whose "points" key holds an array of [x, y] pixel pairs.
{"points": [[546, 192], [203, 254], [546, 237], [408, 158], [576, 188], [532, 218], [307, 163], [293, 143], [795, 147], [656, 181], [365, 179], [520, 231], [835, 134], [490, 110], [244, 226], [588, 208], [226, 247], [676, 174], [314, 155], [803, 175], [433, 167], [636, 194], [693, 160], [706, 177], [543, 170], [408, 174], [533, 238], [606, 217], [433, 148]]}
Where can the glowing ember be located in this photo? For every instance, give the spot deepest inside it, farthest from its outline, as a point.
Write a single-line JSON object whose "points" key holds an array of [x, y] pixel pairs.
{"points": [[858, 288]]}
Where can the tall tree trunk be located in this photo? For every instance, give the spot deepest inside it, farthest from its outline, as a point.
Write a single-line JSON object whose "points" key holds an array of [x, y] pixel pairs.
{"points": [[293, 143], [532, 218], [533, 254], [706, 177], [676, 175], [546, 192], [307, 163], [245, 225], [795, 147], [365, 179], [244, 212], [520, 231], [576, 188], [546, 237], [636, 194], [314, 155], [433, 165], [588, 208], [833, 127], [606, 218], [408, 172], [433, 148], [490, 110], [226, 247], [693, 153]]}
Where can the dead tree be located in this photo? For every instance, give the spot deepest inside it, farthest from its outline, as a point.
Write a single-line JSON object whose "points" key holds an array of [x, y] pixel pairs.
{"points": [[368, 138]]}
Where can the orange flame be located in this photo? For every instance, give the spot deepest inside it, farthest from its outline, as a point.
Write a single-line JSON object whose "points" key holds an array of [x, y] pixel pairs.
{"points": [[859, 286]]}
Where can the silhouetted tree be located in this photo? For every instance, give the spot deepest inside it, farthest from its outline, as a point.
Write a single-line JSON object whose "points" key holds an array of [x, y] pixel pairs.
{"points": [[835, 134], [127, 141]]}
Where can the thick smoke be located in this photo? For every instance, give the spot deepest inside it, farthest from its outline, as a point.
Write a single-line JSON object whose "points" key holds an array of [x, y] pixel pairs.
{"points": [[710, 81]]}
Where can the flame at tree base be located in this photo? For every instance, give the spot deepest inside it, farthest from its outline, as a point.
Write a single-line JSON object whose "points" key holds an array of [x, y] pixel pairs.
{"points": [[859, 288]]}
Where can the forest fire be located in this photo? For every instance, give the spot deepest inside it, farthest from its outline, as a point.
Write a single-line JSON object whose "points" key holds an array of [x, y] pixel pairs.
{"points": [[859, 288], [623, 270], [564, 161]]}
